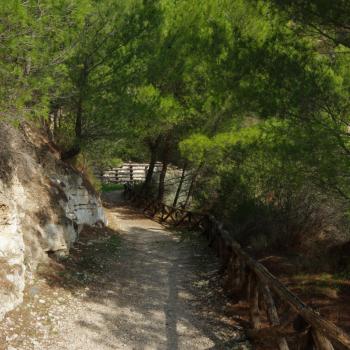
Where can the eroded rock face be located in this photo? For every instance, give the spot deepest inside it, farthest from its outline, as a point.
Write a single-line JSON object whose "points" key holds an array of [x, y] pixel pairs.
{"points": [[82, 206], [43, 204], [11, 259]]}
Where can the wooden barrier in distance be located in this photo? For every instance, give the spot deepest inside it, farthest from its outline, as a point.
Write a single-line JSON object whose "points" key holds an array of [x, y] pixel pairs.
{"points": [[128, 172]]}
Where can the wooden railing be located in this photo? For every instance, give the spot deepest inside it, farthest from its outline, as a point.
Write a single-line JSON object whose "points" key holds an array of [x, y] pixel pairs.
{"points": [[128, 172], [299, 326]]}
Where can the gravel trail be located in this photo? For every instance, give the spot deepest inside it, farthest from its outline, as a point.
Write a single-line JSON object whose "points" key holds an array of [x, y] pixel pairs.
{"points": [[159, 291]]}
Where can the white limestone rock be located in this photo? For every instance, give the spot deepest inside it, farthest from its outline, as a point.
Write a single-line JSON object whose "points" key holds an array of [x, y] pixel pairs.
{"points": [[43, 204]]}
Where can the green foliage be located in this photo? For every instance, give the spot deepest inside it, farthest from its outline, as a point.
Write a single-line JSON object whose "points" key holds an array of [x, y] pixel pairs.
{"points": [[329, 19], [253, 94], [35, 41], [111, 187]]}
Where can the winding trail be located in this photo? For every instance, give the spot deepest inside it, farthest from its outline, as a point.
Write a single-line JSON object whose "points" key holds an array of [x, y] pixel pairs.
{"points": [[156, 294]]}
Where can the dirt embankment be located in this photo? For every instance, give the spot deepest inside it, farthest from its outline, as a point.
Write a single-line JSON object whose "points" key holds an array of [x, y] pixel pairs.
{"points": [[43, 205]]}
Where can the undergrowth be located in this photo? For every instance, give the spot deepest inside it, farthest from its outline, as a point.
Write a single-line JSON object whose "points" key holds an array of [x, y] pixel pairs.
{"points": [[109, 187]]}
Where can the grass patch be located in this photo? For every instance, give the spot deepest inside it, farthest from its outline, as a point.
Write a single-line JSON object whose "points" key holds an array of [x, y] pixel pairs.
{"points": [[113, 244], [111, 187]]}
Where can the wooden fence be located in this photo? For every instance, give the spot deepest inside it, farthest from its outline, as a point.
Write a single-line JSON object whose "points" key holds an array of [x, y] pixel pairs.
{"points": [[291, 323], [128, 172]]}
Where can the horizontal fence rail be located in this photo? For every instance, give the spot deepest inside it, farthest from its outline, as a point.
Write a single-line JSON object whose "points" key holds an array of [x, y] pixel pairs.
{"points": [[299, 326], [128, 172]]}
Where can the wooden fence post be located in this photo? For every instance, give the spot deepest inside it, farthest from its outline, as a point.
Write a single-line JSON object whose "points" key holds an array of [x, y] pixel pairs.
{"points": [[273, 315], [236, 269], [229, 272], [254, 312], [131, 175], [306, 342], [242, 275], [322, 343]]}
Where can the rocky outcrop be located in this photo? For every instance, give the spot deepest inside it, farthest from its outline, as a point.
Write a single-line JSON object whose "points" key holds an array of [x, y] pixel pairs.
{"points": [[43, 204], [81, 206]]}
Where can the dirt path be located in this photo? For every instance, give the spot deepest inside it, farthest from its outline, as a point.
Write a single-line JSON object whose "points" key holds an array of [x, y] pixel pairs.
{"points": [[153, 289]]}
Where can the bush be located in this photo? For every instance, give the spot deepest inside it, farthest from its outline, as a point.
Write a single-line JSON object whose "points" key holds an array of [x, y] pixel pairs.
{"points": [[109, 187]]}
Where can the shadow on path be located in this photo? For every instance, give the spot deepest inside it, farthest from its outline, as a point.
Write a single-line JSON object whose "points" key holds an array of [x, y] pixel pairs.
{"points": [[146, 287]]}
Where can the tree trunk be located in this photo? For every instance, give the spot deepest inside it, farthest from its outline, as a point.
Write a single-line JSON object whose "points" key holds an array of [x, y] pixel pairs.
{"points": [[55, 123], [189, 193], [179, 188], [153, 146], [79, 118], [190, 190], [165, 161], [82, 84], [76, 148], [161, 187]]}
